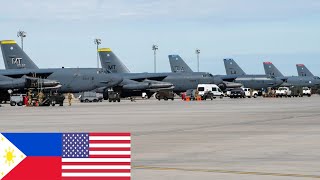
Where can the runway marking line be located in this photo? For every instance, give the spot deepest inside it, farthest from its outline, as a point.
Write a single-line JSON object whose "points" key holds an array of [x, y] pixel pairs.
{"points": [[227, 171]]}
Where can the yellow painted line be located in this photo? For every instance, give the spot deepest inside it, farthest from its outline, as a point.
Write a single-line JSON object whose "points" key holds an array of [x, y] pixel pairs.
{"points": [[227, 172]]}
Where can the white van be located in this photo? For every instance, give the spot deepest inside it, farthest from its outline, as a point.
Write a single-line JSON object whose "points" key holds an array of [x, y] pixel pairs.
{"points": [[209, 88]]}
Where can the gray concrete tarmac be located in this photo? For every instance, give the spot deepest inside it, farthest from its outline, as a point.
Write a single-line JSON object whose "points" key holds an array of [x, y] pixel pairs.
{"points": [[263, 138]]}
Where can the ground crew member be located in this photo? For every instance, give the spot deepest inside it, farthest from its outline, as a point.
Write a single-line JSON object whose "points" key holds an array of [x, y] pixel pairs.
{"points": [[29, 97], [69, 98], [196, 94], [273, 93], [40, 97], [25, 100]]}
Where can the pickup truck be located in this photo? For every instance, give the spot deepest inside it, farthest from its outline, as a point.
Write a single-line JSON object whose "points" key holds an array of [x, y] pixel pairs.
{"points": [[237, 92], [249, 94], [283, 92], [16, 99], [306, 91]]}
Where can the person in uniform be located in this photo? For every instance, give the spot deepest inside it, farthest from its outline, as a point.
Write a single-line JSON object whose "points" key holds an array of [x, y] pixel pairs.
{"points": [[196, 94], [69, 98], [40, 97], [29, 97]]}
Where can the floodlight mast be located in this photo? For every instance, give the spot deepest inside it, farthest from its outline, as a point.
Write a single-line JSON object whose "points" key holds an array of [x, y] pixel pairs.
{"points": [[155, 48], [97, 42], [198, 58], [22, 34]]}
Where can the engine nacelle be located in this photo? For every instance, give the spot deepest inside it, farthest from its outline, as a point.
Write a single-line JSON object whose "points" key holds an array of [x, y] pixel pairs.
{"points": [[136, 86]]}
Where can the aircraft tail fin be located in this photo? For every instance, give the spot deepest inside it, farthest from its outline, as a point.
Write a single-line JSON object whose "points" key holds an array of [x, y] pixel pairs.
{"points": [[232, 67], [14, 57], [111, 62], [303, 70], [271, 69], [177, 64]]}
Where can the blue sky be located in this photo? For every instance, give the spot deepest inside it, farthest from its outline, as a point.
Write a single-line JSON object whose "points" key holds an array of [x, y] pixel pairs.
{"points": [[61, 33]]}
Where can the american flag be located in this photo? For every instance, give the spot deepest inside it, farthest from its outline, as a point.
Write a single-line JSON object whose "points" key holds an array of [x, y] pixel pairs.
{"points": [[93, 156]]}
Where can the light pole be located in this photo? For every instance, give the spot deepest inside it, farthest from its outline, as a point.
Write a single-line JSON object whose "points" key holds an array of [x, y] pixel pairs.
{"points": [[155, 48], [198, 56], [97, 42], [22, 35]]}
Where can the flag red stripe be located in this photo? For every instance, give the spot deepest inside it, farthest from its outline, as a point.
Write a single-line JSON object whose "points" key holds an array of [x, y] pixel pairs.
{"points": [[109, 149], [109, 134], [96, 163], [110, 156], [96, 170], [109, 141], [95, 178]]}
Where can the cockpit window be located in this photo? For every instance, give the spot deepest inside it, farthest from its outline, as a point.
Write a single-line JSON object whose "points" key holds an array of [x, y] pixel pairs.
{"points": [[106, 71], [207, 75]]}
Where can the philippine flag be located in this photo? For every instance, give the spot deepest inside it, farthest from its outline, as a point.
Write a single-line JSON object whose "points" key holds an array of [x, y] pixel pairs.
{"points": [[66, 156]]}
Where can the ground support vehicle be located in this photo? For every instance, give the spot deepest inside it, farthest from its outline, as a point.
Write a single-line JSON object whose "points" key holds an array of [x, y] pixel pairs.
{"points": [[237, 93], [250, 93], [90, 96], [283, 92], [114, 96], [165, 94]]}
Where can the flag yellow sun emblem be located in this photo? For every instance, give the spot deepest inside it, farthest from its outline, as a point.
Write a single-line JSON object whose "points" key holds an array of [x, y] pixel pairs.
{"points": [[9, 156]]}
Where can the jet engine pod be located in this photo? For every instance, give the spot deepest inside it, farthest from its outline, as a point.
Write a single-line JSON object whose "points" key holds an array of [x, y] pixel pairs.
{"points": [[136, 86]]}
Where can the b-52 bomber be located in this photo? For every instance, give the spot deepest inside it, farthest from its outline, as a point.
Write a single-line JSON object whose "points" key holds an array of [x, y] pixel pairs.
{"points": [[19, 68], [235, 77], [17, 60], [181, 81], [253, 81], [307, 80]]}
